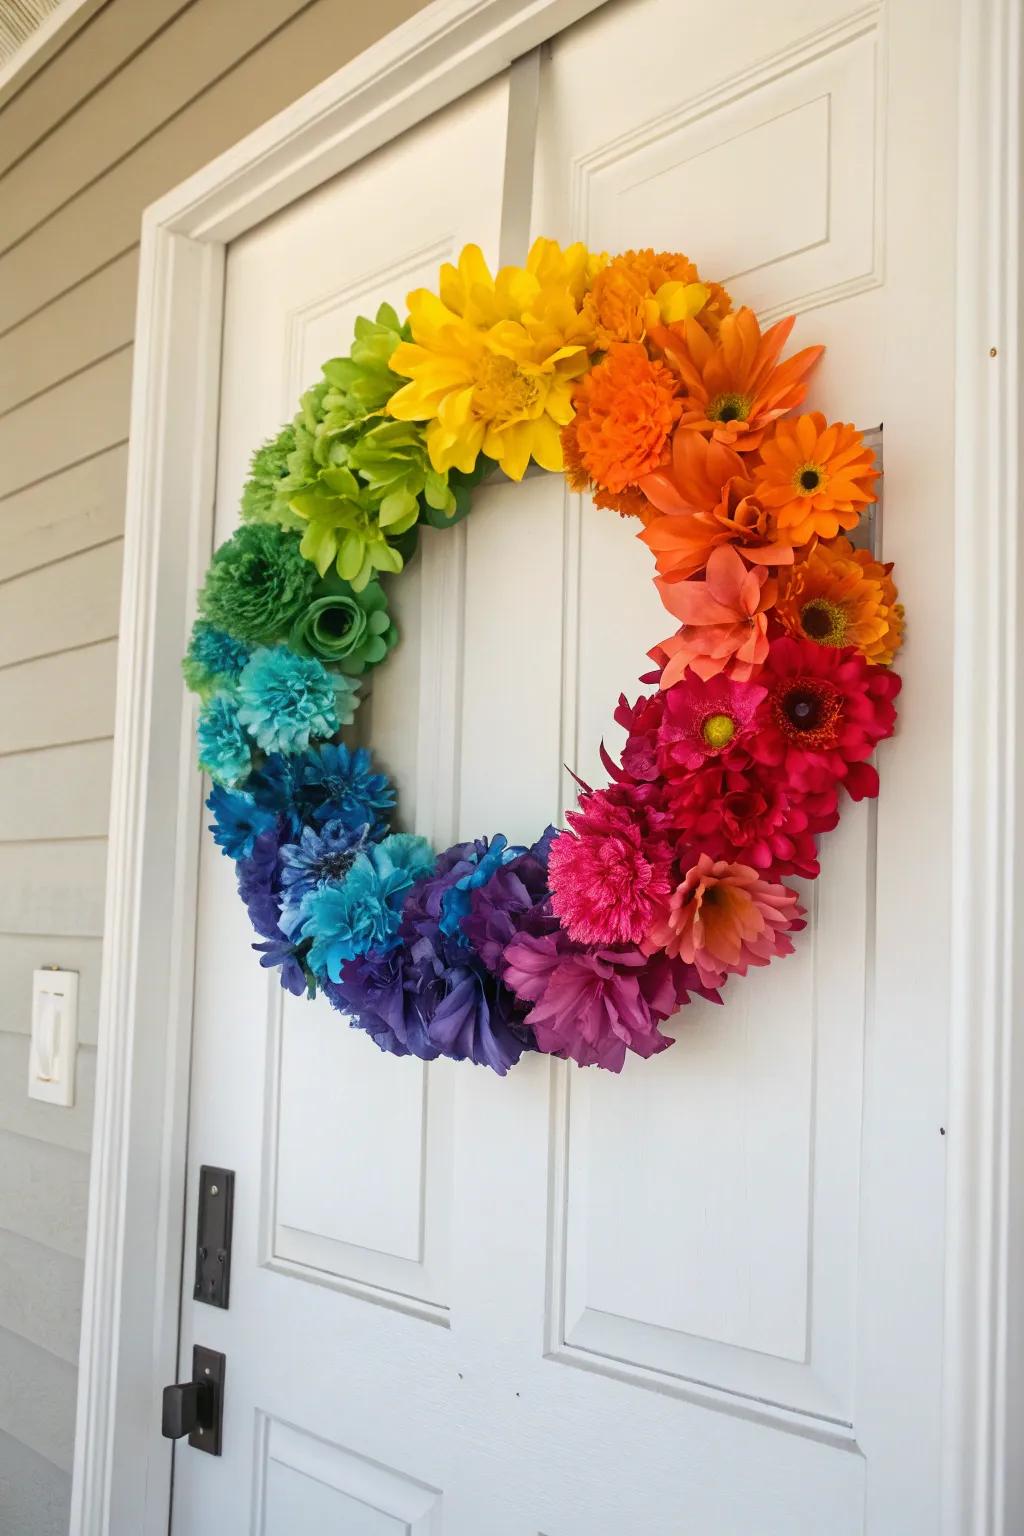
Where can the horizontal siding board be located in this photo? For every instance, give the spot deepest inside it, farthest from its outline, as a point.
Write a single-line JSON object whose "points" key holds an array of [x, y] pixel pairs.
{"points": [[84, 324], [69, 423], [97, 54], [60, 607], [21, 954], [56, 792], [35, 1496], [41, 1295], [56, 699], [37, 1399], [64, 514], [52, 888], [44, 1192], [103, 221], [173, 68], [22, 1116]]}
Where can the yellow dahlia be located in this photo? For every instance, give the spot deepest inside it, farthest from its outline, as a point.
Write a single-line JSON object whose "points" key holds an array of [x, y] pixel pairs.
{"points": [[842, 596], [493, 359]]}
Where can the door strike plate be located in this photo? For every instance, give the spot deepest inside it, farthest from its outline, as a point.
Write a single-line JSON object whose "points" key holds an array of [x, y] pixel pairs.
{"points": [[213, 1236]]}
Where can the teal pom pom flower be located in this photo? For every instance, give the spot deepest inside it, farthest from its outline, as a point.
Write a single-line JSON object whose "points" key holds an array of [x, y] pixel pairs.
{"points": [[287, 699], [364, 910], [224, 749], [214, 658], [257, 584]]}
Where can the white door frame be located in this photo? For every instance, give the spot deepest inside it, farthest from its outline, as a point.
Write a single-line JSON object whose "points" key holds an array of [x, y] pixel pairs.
{"points": [[136, 1244]]}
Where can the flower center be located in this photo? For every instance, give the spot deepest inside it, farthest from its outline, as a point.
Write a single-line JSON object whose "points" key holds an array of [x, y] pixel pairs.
{"points": [[808, 711], [729, 407], [809, 479], [333, 865], [718, 731], [502, 392], [823, 621]]}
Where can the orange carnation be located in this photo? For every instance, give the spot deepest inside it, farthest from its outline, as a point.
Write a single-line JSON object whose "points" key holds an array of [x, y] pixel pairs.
{"points": [[628, 503], [736, 387], [631, 297], [817, 477], [840, 596], [625, 409]]}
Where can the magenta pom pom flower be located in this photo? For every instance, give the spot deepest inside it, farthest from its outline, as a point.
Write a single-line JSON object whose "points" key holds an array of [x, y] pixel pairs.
{"points": [[607, 878]]}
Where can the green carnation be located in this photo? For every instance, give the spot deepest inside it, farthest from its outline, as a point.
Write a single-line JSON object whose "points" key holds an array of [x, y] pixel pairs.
{"points": [[257, 584], [262, 501], [347, 629]]}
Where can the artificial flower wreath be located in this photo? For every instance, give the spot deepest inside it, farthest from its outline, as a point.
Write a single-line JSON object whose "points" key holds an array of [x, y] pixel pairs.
{"points": [[641, 383]]}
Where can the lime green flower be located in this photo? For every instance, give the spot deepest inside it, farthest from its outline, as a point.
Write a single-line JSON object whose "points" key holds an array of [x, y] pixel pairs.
{"points": [[262, 501], [343, 528], [346, 629]]}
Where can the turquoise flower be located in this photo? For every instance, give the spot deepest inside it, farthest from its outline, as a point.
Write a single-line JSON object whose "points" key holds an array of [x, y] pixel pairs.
{"points": [[363, 911], [286, 699], [213, 658], [224, 749]]}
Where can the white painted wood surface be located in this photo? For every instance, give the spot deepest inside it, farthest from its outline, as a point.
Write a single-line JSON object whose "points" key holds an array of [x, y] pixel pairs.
{"points": [[704, 1267]]}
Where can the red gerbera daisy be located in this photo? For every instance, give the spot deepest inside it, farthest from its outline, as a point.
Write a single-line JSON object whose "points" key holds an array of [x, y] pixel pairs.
{"points": [[825, 713]]}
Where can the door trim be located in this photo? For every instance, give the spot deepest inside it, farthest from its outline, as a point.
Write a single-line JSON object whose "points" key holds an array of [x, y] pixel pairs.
{"points": [[135, 1247]]}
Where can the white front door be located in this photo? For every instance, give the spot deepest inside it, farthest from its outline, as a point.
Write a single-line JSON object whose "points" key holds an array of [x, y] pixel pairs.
{"points": [[703, 1298]]}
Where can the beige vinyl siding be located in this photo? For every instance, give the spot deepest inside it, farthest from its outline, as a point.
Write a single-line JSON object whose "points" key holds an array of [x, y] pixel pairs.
{"points": [[143, 94]]}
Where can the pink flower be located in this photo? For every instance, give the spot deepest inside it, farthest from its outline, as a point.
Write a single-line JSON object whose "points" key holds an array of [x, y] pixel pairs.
{"points": [[725, 918], [591, 1006], [748, 814], [609, 876], [703, 720]]}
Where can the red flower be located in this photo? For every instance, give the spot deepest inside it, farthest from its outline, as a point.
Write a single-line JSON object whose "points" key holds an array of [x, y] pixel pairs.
{"points": [[704, 720], [825, 713], [609, 875], [749, 815]]}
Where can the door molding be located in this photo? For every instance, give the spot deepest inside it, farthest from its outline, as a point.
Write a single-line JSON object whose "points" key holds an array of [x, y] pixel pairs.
{"points": [[136, 1246]]}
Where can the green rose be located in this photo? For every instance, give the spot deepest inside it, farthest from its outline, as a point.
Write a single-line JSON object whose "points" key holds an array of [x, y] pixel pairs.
{"points": [[346, 629]]}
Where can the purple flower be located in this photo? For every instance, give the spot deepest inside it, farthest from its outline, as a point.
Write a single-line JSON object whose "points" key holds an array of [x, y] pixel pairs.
{"points": [[259, 888]]}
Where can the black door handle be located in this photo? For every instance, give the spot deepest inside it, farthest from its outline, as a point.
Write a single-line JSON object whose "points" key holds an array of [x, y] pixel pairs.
{"points": [[196, 1408]]}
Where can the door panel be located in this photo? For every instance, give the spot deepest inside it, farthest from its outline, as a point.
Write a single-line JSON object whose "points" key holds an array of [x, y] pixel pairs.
{"points": [[702, 1298]]}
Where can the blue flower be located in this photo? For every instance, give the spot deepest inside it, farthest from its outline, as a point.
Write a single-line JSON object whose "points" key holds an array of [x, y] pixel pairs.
{"points": [[224, 748], [277, 786], [213, 657], [486, 861], [286, 699], [341, 785], [319, 857], [364, 910], [237, 821]]}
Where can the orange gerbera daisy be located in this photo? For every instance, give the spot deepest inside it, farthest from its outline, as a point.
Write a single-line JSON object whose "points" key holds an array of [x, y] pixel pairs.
{"points": [[641, 290], [840, 596], [725, 620], [817, 477], [736, 386], [706, 499], [626, 408]]}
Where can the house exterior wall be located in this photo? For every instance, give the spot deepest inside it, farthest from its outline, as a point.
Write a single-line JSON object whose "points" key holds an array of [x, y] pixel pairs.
{"points": [[142, 95]]}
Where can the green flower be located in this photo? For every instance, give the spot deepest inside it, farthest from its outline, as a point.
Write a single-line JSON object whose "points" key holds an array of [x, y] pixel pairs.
{"points": [[262, 501], [213, 659], [347, 629], [342, 529], [257, 584], [362, 383], [391, 458]]}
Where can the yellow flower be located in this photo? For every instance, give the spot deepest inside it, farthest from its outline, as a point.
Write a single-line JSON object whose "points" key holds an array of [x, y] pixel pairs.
{"points": [[493, 359]]}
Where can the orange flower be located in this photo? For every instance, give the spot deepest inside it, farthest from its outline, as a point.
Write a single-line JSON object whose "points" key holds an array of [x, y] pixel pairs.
{"points": [[628, 503], [725, 621], [640, 290], [736, 386], [625, 409], [817, 477], [705, 498], [840, 596]]}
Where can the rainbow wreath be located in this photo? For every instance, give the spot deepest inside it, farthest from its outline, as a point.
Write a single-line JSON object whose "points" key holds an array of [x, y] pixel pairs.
{"points": [[641, 383]]}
